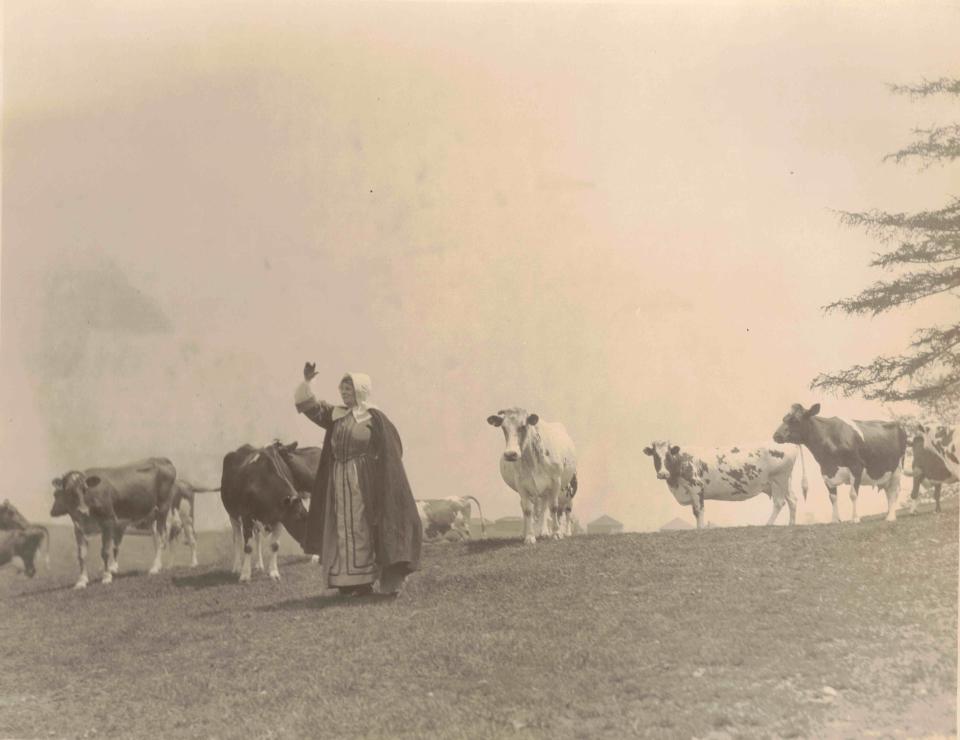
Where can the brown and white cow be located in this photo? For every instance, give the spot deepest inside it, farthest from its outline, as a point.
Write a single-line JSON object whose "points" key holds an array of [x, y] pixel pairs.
{"points": [[850, 452], [934, 460], [257, 488], [182, 517], [695, 475], [452, 514], [107, 500], [23, 544], [540, 464]]}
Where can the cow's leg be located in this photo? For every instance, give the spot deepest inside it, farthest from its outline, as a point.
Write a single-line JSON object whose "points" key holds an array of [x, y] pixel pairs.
{"points": [[237, 544], [157, 548], [936, 497], [529, 517], [915, 491], [275, 531], [553, 499], [248, 533], [189, 535], [893, 493], [81, 556], [777, 506], [696, 503], [106, 550], [117, 539], [832, 490], [258, 540]]}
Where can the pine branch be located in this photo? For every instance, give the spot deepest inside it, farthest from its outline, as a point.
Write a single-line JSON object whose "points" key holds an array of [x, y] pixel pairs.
{"points": [[931, 251], [941, 144], [947, 85], [931, 375], [904, 291], [886, 226]]}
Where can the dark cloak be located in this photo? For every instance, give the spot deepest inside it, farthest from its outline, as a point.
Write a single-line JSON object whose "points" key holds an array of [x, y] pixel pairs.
{"points": [[390, 507]]}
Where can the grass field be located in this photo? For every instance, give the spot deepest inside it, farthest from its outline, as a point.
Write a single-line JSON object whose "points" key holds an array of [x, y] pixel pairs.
{"points": [[816, 631]]}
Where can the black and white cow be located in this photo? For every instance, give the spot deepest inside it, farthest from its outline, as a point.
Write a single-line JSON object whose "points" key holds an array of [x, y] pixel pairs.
{"points": [[257, 488], [849, 452], [934, 460], [727, 474]]}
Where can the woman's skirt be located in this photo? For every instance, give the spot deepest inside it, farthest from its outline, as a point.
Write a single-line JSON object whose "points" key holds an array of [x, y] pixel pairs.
{"points": [[349, 557]]}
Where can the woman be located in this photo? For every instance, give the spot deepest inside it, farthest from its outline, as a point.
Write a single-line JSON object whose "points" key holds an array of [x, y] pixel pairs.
{"points": [[363, 521]]}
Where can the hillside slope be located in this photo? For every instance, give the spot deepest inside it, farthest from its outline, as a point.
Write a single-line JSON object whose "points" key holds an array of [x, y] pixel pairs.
{"points": [[828, 631]]}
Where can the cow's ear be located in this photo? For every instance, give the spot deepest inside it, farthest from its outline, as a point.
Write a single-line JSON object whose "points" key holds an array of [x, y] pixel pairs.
{"points": [[494, 420], [533, 419], [648, 451], [675, 450], [814, 410], [93, 481], [57, 483]]}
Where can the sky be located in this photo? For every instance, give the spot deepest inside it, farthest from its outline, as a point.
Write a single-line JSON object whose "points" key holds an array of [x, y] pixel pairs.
{"points": [[619, 217]]}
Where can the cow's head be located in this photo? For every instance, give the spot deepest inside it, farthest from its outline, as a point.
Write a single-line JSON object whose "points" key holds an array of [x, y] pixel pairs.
{"points": [[666, 461], [516, 425], [795, 424], [68, 493], [294, 516], [11, 518]]}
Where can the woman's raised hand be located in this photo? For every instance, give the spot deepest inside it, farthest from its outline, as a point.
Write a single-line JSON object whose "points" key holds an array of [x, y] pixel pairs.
{"points": [[309, 371]]}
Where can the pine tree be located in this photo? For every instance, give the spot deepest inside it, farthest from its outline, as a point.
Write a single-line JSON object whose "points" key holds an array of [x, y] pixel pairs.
{"points": [[924, 248]]}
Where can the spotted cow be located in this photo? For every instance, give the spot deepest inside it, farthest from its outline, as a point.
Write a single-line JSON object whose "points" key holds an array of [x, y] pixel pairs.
{"points": [[727, 474], [935, 463], [849, 452]]}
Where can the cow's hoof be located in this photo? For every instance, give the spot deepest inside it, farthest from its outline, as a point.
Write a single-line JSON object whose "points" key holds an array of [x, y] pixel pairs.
{"points": [[153, 571], [244, 578], [115, 568], [79, 585], [275, 577], [855, 520], [194, 564], [892, 516], [314, 558], [107, 578], [530, 540]]}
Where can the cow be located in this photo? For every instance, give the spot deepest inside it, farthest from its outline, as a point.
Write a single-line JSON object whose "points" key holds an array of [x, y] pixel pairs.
{"points": [[540, 464], [934, 461], [727, 474], [257, 488], [12, 520], [850, 452], [24, 544], [106, 500], [442, 515], [182, 514], [303, 463]]}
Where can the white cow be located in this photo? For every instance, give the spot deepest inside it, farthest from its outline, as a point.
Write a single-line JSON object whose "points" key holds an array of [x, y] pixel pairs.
{"points": [[452, 514], [540, 464], [727, 474]]}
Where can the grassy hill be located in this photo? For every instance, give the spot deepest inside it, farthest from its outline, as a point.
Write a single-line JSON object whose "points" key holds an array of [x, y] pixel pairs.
{"points": [[826, 631]]}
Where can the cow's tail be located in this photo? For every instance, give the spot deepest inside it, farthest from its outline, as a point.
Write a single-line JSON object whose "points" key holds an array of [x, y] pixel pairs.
{"points": [[483, 528], [200, 489], [804, 485]]}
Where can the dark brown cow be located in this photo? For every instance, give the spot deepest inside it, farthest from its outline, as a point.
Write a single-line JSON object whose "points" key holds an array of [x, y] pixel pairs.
{"points": [[849, 452], [107, 500], [257, 487], [934, 461], [12, 520], [23, 543]]}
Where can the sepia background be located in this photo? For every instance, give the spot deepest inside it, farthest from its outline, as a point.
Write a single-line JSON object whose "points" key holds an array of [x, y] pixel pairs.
{"points": [[619, 217]]}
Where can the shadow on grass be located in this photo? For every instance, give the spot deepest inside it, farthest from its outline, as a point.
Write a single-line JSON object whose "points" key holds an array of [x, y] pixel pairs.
{"points": [[328, 602], [205, 580]]}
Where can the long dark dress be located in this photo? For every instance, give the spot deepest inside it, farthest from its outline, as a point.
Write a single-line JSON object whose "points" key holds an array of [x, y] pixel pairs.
{"points": [[363, 520]]}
